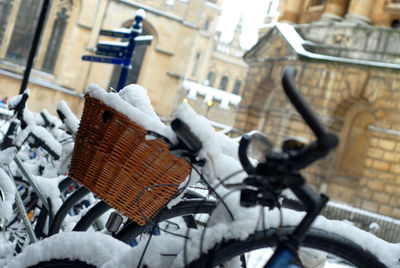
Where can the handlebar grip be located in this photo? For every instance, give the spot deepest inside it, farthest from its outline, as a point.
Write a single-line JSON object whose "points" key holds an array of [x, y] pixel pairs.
{"points": [[184, 134], [18, 103], [45, 119], [300, 104], [67, 117]]}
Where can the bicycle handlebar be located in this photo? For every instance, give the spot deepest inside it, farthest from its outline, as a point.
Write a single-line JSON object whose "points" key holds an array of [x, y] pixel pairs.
{"points": [[184, 134], [18, 111], [314, 151], [326, 139], [300, 104], [20, 106], [67, 117]]}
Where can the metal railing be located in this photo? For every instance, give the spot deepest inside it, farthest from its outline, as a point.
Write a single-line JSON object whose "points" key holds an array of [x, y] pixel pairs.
{"points": [[384, 227]]}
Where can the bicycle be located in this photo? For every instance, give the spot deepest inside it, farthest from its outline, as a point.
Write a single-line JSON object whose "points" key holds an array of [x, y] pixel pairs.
{"points": [[19, 165], [214, 250]]}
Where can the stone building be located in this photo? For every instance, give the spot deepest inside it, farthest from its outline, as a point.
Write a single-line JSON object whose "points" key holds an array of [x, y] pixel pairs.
{"points": [[348, 68], [185, 54]]}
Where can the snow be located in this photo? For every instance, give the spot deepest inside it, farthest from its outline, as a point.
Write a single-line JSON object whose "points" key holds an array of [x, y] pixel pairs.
{"points": [[91, 247], [71, 121], [41, 133], [14, 101], [7, 155], [210, 93], [228, 221], [53, 120], [122, 30], [141, 13], [144, 38], [9, 194], [114, 43], [49, 189], [141, 117]]}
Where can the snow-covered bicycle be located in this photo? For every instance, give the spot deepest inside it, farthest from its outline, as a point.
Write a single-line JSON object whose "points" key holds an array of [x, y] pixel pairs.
{"points": [[232, 229]]}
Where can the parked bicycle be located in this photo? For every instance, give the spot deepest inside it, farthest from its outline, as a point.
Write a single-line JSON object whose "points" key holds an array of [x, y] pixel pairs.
{"points": [[247, 218]]}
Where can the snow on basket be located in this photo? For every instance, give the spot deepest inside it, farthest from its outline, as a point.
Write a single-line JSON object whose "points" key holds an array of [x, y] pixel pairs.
{"points": [[113, 158]]}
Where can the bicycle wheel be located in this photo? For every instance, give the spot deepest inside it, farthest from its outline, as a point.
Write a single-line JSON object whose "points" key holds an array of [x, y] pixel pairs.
{"points": [[184, 208], [351, 254], [195, 204], [69, 249]]}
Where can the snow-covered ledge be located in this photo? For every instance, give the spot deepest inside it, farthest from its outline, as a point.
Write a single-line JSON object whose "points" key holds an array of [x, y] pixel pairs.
{"points": [[211, 93]]}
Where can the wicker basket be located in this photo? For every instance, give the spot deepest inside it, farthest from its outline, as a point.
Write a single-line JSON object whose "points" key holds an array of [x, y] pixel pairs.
{"points": [[113, 159]]}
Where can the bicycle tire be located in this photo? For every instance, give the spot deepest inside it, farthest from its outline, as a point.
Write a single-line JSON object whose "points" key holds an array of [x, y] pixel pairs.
{"points": [[65, 208], [101, 207], [315, 239], [62, 263], [185, 207], [91, 216]]}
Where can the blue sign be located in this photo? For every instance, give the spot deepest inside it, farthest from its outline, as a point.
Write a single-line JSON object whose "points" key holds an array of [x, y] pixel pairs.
{"points": [[112, 47], [115, 33], [117, 61], [113, 54], [120, 53]]}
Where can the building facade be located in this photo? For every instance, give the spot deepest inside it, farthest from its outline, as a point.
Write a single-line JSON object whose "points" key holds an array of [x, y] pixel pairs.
{"points": [[348, 68], [185, 53]]}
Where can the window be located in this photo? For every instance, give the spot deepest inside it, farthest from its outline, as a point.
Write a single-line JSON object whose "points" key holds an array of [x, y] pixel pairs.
{"points": [[196, 63], [5, 10], [223, 83], [236, 87], [206, 25], [211, 78], [24, 29], [53, 47], [20, 30]]}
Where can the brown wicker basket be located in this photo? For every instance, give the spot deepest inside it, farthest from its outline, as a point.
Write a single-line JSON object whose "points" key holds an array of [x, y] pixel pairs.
{"points": [[113, 159]]}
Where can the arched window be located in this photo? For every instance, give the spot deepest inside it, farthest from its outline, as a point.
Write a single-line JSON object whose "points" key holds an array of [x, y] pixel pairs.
{"points": [[53, 47], [223, 83], [196, 63], [210, 78], [137, 60], [353, 149], [24, 29], [236, 87]]}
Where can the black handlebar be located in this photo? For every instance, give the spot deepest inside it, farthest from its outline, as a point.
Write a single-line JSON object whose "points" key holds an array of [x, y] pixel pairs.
{"points": [[244, 160], [184, 134], [67, 117], [46, 120], [300, 104], [19, 112], [326, 140], [21, 104], [314, 151]]}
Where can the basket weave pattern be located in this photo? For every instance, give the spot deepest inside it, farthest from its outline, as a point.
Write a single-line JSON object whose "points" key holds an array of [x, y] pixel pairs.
{"points": [[113, 159]]}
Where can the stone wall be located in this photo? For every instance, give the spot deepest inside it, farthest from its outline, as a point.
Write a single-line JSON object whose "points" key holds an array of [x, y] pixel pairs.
{"points": [[360, 104]]}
